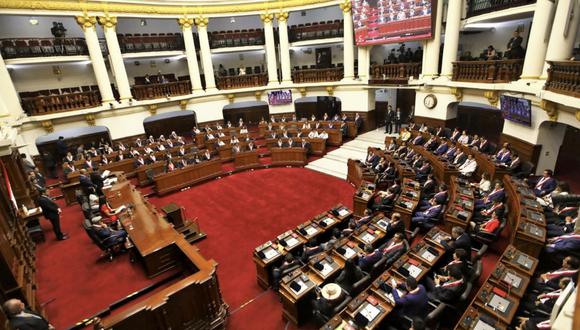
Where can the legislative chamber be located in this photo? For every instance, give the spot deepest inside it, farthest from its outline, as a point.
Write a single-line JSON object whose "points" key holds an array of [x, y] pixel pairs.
{"points": [[298, 164]]}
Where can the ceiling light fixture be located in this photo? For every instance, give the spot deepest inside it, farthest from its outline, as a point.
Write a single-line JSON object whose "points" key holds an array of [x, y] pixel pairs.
{"points": [[143, 22], [232, 20], [33, 21]]}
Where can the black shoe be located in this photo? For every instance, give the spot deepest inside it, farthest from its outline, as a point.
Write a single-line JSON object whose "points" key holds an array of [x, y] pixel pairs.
{"points": [[63, 237]]}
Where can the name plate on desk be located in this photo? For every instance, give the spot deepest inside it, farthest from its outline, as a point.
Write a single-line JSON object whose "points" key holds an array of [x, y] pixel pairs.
{"points": [[498, 303], [512, 279], [480, 325], [524, 261]]}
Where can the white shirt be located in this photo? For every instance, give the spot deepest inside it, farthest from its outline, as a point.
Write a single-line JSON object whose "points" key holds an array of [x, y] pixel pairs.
{"points": [[323, 135], [484, 185], [313, 134], [468, 167], [463, 139]]}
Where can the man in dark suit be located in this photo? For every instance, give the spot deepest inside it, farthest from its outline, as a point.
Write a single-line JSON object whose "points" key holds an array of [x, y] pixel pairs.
{"points": [[306, 145], [514, 47], [390, 116], [22, 318], [460, 240], [429, 186], [394, 248], [546, 184], [414, 303], [449, 289], [51, 211], [61, 148], [369, 258], [87, 185]]}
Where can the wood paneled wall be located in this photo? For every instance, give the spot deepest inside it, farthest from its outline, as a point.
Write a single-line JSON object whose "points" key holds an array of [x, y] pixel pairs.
{"points": [[180, 124], [526, 150], [250, 115]]}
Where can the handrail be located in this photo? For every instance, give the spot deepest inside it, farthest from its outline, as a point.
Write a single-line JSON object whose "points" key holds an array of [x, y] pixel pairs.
{"points": [[317, 75], [478, 7], [564, 78], [394, 72], [236, 39], [41, 105], [500, 71], [140, 43], [157, 91], [318, 31], [38, 47], [242, 81]]}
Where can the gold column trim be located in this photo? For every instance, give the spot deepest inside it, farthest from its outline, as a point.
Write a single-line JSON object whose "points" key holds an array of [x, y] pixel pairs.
{"points": [[86, 21], [258, 95], [129, 8], [330, 90], [201, 21], [47, 125], [302, 91], [267, 17], [551, 109], [346, 6], [90, 119], [578, 115], [457, 92], [282, 16], [492, 97], [231, 97], [183, 104], [185, 22], [153, 108], [108, 21]]}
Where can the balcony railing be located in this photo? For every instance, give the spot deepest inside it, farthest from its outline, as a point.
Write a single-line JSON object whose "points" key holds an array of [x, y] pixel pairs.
{"points": [[317, 75], [396, 73], [564, 78], [487, 71], [38, 47], [243, 81], [317, 30], [237, 38], [46, 104], [478, 7], [135, 43], [157, 91]]}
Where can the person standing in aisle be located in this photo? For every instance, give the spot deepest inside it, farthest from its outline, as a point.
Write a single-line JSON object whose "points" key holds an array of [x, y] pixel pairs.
{"points": [[398, 120], [389, 120]]}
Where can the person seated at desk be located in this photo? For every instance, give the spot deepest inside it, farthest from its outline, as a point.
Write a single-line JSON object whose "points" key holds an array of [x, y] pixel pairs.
{"points": [[405, 135], [219, 143], [381, 166], [429, 186], [431, 144], [369, 257], [394, 225], [196, 130], [440, 132], [280, 143], [418, 140], [195, 159], [328, 299], [488, 226], [439, 198], [160, 147], [169, 166], [313, 134], [391, 147], [68, 168], [503, 156], [463, 138], [498, 193], [169, 144], [411, 299], [220, 134], [290, 143], [394, 248], [306, 125], [349, 276], [423, 171], [450, 154], [234, 140], [562, 228], [497, 206], [459, 158], [468, 167], [181, 163], [218, 126], [544, 302], [206, 156], [372, 159], [475, 141], [150, 140], [459, 240], [549, 281], [446, 289], [251, 146], [22, 318], [105, 232], [383, 200], [323, 135], [423, 128], [236, 148], [546, 184], [388, 174], [68, 158], [459, 262], [402, 151], [139, 161], [483, 187], [181, 151], [563, 244], [306, 146], [88, 164], [277, 272], [244, 130], [427, 218], [455, 134], [151, 159]]}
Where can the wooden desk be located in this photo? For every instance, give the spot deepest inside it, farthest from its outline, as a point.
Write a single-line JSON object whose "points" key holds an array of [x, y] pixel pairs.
{"points": [[410, 265], [428, 254], [68, 191], [225, 152], [265, 257], [296, 306], [473, 318], [351, 129], [530, 238], [510, 279], [246, 159], [362, 197], [519, 260], [361, 303], [126, 166], [157, 168], [355, 172], [288, 156], [195, 299], [503, 307], [406, 207], [187, 176]]}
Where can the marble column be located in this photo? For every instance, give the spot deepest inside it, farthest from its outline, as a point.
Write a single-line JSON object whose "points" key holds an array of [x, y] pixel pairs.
{"points": [[9, 101], [563, 33], [430, 67], [284, 47], [117, 64], [267, 18], [348, 39], [538, 40], [186, 25], [206, 60], [451, 37]]}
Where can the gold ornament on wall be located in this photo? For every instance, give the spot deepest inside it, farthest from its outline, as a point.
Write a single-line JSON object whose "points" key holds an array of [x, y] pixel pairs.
{"points": [[346, 6], [282, 16], [231, 97], [302, 91], [258, 95], [267, 17], [457, 92], [153, 108], [578, 115], [330, 90], [86, 21], [185, 22], [551, 109], [108, 21], [201, 21], [183, 104], [90, 118], [47, 125], [492, 97]]}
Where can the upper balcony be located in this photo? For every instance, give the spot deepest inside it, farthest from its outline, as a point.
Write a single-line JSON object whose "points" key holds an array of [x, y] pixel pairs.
{"points": [[160, 86], [40, 47], [398, 73], [49, 101], [494, 71], [564, 78], [314, 75], [479, 7], [236, 38], [137, 42], [315, 31]]}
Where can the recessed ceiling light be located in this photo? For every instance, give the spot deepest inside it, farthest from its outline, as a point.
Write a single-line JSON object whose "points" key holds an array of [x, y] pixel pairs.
{"points": [[33, 21], [143, 22], [232, 20]]}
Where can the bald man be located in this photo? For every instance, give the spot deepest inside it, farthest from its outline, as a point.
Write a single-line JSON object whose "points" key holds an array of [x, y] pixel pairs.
{"points": [[24, 319]]}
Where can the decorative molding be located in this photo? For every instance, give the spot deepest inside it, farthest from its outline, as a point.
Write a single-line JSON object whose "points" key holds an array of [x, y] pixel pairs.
{"points": [[86, 21], [108, 21], [90, 118], [258, 95], [153, 108], [492, 97], [231, 97], [201, 21], [578, 115], [267, 17], [282, 16], [183, 104], [330, 90], [457, 92], [154, 9], [185, 22], [551, 109], [346, 6], [47, 125], [302, 91]]}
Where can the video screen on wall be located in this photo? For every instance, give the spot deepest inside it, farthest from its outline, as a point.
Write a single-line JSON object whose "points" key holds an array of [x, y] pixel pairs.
{"points": [[392, 21], [516, 109], [280, 97]]}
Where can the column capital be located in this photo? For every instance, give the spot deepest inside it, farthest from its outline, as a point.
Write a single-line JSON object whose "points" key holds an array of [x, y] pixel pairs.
{"points": [[346, 6], [108, 22], [201, 21], [186, 22], [282, 16], [267, 17], [86, 21]]}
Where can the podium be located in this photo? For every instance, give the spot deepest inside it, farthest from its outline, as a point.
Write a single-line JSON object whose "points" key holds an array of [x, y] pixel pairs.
{"points": [[175, 215]]}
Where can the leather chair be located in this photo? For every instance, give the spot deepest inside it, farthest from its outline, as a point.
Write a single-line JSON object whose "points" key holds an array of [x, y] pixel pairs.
{"points": [[476, 272], [488, 238], [358, 286], [322, 318], [109, 245], [525, 170]]}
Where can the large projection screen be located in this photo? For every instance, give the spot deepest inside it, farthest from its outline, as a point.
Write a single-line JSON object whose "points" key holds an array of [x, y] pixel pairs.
{"points": [[392, 21]]}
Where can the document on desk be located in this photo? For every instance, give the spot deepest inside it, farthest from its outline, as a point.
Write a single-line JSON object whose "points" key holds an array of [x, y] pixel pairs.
{"points": [[310, 231], [480, 325], [428, 256], [343, 212], [512, 279], [270, 253], [525, 261], [327, 269], [348, 252], [498, 303], [370, 312], [291, 242], [303, 286], [414, 271], [382, 224], [328, 221], [367, 238]]}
